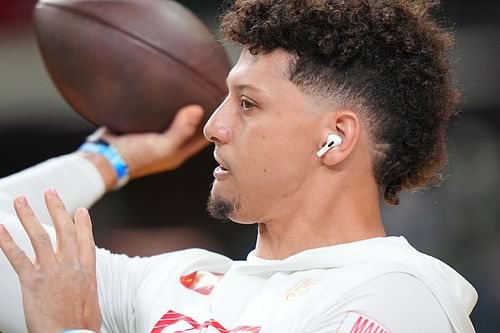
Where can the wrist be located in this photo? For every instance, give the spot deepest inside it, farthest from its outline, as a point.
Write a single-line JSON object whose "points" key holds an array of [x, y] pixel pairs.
{"points": [[104, 168], [112, 167]]}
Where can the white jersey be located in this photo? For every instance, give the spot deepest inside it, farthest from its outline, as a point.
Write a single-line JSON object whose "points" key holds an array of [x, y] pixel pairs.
{"points": [[373, 286]]}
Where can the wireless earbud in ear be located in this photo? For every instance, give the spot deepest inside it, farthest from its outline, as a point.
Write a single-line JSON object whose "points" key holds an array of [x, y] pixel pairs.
{"points": [[333, 140]]}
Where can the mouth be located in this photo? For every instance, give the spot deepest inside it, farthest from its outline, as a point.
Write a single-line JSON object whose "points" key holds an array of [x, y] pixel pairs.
{"points": [[222, 171], [222, 168], [222, 165]]}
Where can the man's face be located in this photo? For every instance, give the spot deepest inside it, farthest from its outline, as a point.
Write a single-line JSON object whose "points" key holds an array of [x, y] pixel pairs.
{"points": [[266, 133]]}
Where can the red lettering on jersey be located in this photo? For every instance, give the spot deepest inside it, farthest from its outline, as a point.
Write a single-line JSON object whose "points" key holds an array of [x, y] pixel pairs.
{"points": [[357, 323], [172, 318]]}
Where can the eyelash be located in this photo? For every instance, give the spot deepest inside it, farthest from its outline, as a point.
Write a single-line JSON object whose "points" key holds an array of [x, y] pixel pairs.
{"points": [[246, 104]]}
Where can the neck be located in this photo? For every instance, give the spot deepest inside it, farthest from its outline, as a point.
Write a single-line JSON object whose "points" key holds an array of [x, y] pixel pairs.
{"points": [[322, 218]]}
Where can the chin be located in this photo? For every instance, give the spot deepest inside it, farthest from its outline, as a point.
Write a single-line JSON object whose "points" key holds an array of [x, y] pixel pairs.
{"points": [[225, 209], [221, 208]]}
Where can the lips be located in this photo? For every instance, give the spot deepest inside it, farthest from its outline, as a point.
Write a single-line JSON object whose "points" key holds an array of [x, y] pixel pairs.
{"points": [[222, 171], [222, 165]]}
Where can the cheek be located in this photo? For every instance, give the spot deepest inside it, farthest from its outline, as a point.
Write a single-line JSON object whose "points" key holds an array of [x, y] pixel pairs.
{"points": [[275, 161]]}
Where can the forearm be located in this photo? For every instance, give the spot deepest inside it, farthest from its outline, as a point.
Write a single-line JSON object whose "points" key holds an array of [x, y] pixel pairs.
{"points": [[105, 169], [79, 181]]}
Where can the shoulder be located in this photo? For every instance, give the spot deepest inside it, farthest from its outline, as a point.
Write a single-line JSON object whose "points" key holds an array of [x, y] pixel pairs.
{"points": [[181, 257], [192, 259], [174, 263], [397, 301]]}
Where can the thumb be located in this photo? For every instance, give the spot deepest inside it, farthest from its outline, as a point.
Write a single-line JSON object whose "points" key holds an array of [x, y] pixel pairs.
{"points": [[184, 126]]}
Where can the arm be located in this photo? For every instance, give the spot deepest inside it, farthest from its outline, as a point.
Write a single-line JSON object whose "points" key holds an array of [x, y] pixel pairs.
{"points": [[75, 178], [82, 178], [59, 288]]}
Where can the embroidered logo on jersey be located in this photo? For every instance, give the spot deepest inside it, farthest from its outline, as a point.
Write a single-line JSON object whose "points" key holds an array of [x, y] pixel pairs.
{"points": [[358, 323], [300, 288], [201, 281], [173, 322]]}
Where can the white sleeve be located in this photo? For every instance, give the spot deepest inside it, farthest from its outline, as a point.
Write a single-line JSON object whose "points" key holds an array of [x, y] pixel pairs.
{"points": [[79, 184], [76, 179], [118, 279], [392, 303]]}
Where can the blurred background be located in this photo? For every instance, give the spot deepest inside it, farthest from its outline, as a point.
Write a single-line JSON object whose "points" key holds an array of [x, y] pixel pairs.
{"points": [[458, 222]]}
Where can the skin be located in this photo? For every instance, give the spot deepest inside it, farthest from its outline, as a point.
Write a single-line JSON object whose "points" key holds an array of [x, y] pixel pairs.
{"points": [[266, 133], [150, 153], [59, 288]]}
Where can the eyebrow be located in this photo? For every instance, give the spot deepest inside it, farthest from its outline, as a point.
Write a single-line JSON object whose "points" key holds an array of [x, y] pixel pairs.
{"points": [[242, 86]]}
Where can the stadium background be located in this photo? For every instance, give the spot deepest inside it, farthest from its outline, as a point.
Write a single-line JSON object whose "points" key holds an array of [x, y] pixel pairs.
{"points": [[459, 222]]}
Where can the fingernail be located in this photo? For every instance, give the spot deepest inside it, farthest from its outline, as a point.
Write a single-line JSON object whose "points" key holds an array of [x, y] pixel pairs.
{"points": [[84, 214], [22, 201], [52, 192], [83, 210]]}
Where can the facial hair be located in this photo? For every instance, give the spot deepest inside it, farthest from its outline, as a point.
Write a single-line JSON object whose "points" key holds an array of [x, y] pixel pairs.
{"points": [[221, 209]]}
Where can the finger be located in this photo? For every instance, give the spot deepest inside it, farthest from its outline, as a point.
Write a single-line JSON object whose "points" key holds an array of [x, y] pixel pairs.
{"points": [[17, 258], [184, 125], [39, 238], [86, 244], [106, 135], [98, 134], [67, 246]]}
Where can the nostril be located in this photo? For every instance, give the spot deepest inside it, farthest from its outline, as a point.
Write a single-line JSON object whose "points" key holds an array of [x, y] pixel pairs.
{"points": [[214, 139], [219, 135]]}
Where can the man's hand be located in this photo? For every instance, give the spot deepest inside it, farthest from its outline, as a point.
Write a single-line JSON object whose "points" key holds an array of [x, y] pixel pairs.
{"points": [[149, 153], [59, 288]]}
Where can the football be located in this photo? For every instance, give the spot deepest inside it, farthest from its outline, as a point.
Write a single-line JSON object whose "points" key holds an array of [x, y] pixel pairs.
{"points": [[130, 65]]}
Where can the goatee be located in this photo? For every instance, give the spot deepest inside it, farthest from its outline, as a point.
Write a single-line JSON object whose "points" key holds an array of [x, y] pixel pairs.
{"points": [[221, 209]]}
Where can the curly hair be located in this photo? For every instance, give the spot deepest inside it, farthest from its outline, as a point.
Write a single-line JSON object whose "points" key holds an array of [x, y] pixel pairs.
{"points": [[388, 59]]}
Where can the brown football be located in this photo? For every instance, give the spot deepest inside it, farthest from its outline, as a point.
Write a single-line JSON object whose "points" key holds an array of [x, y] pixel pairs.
{"points": [[130, 64]]}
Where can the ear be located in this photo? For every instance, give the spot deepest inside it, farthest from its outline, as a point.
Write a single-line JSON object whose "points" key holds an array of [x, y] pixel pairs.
{"points": [[348, 126]]}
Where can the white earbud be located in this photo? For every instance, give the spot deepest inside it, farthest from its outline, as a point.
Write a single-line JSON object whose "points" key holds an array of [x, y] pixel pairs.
{"points": [[333, 140]]}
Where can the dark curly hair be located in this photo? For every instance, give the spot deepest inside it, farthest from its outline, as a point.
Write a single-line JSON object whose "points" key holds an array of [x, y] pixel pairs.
{"points": [[387, 59]]}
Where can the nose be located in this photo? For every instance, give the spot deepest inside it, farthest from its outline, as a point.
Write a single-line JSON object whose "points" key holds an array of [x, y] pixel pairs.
{"points": [[217, 129]]}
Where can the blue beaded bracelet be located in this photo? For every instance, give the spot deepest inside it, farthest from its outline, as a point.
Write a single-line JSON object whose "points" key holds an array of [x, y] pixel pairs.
{"points": [[111, 154]]}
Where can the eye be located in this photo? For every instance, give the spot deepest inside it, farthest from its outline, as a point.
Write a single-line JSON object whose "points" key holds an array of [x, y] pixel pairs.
{"points": [[246, 104]]}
